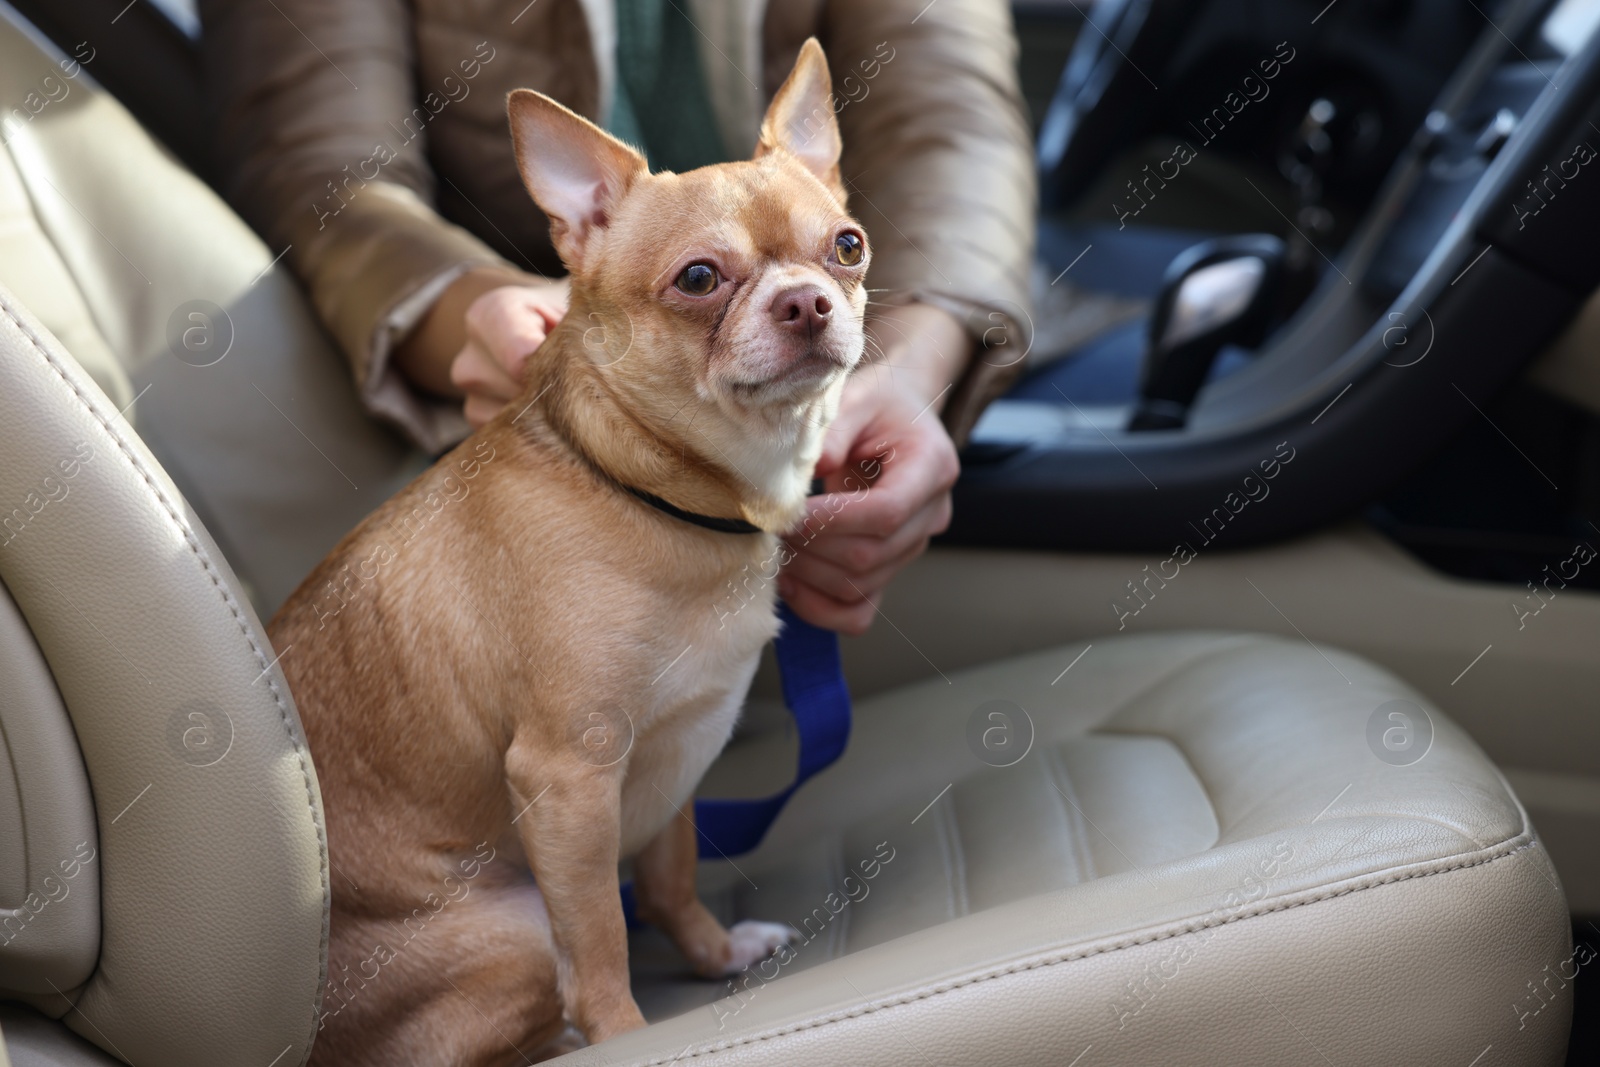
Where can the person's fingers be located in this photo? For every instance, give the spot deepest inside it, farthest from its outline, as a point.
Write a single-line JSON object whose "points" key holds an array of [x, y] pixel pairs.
{"points": [[863, 404], [819, 609], [509, 326], [515, 340], [476, 374], [839, 442], [550, 299], [915, 476], [860, 553], [846, 585], [480, 409]]}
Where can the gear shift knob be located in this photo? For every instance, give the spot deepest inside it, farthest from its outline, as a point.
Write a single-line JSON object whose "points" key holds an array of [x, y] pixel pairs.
{"points": [[1216, 293]]}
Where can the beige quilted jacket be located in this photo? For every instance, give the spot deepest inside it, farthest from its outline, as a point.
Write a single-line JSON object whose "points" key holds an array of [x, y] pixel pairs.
{"points": [[368, 138]]}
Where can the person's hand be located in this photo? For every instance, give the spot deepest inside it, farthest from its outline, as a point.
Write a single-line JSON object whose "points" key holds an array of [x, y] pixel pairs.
{"points": [[475, 341], [504, 327], [888, 465]]}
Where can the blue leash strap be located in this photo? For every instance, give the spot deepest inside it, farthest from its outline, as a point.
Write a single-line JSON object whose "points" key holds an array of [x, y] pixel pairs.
{"points": [[817, 698], [819, 701]]}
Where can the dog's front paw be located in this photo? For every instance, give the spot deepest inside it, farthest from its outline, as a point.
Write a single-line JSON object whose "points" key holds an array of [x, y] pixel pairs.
{"points": [[570, 1039], [751, 942]]}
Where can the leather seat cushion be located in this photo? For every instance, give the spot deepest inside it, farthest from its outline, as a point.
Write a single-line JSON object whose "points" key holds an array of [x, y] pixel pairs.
{"points": [[1201, 858]]}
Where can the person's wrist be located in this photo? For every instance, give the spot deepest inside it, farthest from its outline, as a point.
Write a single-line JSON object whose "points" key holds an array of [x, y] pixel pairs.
{"points": [[425, 354], [926, 348]]}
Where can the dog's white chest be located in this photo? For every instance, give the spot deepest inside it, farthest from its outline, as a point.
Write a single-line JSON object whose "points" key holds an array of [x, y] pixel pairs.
{"points": [[692, 715]]}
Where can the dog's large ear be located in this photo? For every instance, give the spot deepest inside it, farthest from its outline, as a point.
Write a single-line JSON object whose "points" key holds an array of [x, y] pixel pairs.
{"points": [[801, 120], [576, 172]]}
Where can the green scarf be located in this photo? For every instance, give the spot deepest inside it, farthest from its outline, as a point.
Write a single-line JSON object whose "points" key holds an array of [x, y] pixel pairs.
{"points": [[661, 103]]}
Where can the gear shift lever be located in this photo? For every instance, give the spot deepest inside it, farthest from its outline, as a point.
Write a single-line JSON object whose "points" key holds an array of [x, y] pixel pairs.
{"points": [[1216, 293]]}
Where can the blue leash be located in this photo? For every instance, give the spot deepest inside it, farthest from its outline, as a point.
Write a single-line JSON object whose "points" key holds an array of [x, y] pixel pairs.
{"points": [[815, 693], [817, 697]]}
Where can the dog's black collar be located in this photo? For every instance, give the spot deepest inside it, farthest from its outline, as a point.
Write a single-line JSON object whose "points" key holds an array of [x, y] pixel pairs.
{"points": [[710, 522]]}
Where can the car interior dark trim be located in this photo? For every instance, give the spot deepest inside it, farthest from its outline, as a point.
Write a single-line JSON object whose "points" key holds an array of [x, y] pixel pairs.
{"points": [[1330, 385]]}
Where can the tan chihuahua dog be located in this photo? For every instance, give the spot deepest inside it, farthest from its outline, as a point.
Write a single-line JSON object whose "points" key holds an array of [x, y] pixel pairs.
{"points": [[517, 663]]}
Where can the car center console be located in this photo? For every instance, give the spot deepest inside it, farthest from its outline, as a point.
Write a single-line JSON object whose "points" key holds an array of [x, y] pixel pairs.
{"points": [[1475, 251]]}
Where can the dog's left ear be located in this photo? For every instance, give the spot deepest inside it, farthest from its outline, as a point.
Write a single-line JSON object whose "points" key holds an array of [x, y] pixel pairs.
{"points": [[576, 172], [801, 121]]}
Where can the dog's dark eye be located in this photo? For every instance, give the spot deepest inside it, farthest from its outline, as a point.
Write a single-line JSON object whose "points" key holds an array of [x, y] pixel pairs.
{"points": [[848, 249], [698, 279]]}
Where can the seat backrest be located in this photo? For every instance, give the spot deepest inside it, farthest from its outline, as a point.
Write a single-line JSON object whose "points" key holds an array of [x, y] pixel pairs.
{"points": [[163, 873], [181, 314], [166, 896], [155, 35]]}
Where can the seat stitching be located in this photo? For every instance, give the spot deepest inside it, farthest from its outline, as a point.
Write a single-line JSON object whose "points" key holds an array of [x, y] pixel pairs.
{"points": [[1073, 956], [238, 616]]}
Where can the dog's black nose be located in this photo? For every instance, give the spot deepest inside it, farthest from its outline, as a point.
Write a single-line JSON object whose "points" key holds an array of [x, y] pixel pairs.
{"points": [[803, 309]]}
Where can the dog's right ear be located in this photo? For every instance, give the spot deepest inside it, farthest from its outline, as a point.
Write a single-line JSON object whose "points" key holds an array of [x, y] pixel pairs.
{"points": [[800, 120], [576, 172]]}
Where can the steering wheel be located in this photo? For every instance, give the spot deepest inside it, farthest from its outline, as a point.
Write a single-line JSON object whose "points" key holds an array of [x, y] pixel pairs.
{"points": [[1106, 96]]}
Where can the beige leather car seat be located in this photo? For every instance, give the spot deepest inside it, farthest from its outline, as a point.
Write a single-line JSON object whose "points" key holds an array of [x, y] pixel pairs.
{"points": [[1201, 848], [173, 305], [162, 876], [166, 890], [1202, 860]]}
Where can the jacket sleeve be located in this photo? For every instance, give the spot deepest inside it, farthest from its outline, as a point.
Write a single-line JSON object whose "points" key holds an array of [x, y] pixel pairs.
{"points": [[322, 146], [939, 166]]}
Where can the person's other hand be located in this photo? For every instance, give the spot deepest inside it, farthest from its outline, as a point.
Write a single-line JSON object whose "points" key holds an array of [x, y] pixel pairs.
{"points": [[475, 341], [888, 465], [504, 327]]}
